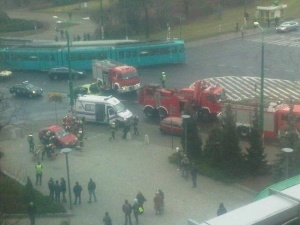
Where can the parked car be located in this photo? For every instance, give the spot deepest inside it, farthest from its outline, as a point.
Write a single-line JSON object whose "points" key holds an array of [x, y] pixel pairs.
{"points": [[5, 75], [87, 89], [171, 125], [63, 73], [62, 138], [287, 26], [26, 89]]}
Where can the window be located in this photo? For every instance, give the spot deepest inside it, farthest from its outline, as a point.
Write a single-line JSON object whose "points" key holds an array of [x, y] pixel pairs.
{"points": [[89, 107]]}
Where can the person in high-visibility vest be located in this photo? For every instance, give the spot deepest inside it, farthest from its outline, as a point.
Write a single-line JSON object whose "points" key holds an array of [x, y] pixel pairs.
{"points": [[38, 173], [163, 79]]}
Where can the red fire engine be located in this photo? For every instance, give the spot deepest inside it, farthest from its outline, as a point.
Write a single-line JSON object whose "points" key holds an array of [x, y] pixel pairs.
{"points": [[204, 97], [275, 117], [112, 75]]}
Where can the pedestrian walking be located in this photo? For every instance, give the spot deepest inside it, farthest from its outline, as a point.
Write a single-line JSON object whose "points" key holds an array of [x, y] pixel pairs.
{"points": [[221, 210], [126, 129], [236, 28], [57, 191], [136, 212], [242, 31], [113, 130], [141, 199], [38, 173], [127, 209], [63, 188], [163, 79], [184, 166], [31, 210], [194, 173], [30, 143], [91, 189], [51, 187], [135, 125], [106, 219], [158, 203], [77, 192], [80, 138]]}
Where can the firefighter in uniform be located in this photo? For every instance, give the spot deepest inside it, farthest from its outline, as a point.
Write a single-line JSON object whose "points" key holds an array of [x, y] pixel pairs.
{"points": [[135, 124], [67, 122], [31, 143], [163, 79], [80, 138], [113, 130]]}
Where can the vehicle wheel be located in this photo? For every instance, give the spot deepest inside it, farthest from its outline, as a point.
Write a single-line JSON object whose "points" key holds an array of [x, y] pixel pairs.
{"points": [[55, 77], [100, 84], [11, 91], [30, 95], [162, 113], [243, 131], [76, 77], [149, 111]]}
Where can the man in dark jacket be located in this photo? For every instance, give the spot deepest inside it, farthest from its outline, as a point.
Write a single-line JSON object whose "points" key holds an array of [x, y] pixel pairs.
{"points": [[51, 186], [141, 199], [127, 209], [91, 189], [31, 210], [77, 192], [63, 188], [106, 219], [136, 212], [57, 190]]}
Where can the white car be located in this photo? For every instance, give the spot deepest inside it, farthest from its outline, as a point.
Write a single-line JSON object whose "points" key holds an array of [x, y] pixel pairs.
{"points": [[287, 26]]}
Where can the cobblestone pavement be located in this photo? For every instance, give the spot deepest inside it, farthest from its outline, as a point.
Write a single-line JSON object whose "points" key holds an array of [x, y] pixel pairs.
{"points": [[120, 169]]}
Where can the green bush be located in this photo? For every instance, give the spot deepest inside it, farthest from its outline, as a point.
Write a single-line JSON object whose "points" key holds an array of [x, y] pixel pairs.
{"points": [[14, 25], [15, 196]]}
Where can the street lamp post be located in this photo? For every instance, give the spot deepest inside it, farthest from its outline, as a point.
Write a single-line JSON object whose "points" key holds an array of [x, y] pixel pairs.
{"points": [[185, 120], [287, 152], [101, 14], [262, 78], [70, 77], [126, 20], [66, 151], [70, 72]]}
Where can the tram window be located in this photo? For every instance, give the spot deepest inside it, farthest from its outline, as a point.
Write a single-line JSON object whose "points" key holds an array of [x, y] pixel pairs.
{"points": [[102, 55], [155, 51], [144, 53], [130, 54], [32, 58], [165, 51], [121, 55], [52, 58], [172, 49]]}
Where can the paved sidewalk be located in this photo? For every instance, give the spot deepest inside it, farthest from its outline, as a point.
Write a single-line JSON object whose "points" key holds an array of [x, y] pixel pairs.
{"points": [[81, 26], [120, 169]]}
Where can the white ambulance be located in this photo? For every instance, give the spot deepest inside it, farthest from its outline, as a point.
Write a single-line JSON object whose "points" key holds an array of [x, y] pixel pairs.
{"points": [[101, 109]]}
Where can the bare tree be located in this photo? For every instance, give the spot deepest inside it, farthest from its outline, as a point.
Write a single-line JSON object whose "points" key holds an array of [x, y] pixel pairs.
{"points": [[11, 112]]}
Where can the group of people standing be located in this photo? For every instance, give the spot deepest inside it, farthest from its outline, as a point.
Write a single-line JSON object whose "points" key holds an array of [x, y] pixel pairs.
{"points": [[57, 188], [187, 167], [134, 121], [138, 206]]}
